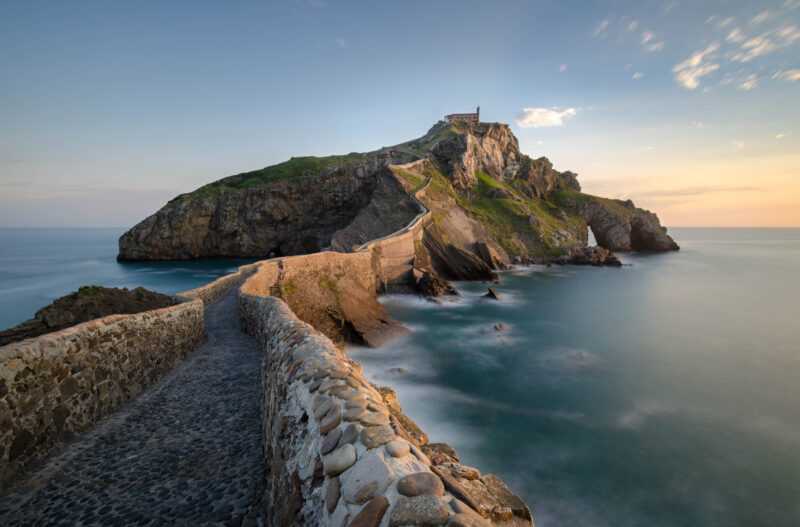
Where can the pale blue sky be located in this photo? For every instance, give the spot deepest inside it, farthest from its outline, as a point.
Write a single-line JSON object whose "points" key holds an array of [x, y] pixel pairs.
{"points": [[109, 109]]}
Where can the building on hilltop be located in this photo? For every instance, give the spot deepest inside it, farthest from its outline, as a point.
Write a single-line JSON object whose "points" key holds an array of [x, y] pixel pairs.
{"points": [[473, 118]]}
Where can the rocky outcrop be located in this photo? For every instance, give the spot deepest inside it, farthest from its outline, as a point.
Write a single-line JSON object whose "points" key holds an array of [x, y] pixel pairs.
{"points": [[596, 256], [430, 284], [296, 207], [493, 149], [87, 303], [619, 225]]}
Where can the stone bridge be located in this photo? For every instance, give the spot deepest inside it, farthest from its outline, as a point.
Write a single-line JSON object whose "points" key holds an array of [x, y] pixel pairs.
{"points": [[177, 417]]}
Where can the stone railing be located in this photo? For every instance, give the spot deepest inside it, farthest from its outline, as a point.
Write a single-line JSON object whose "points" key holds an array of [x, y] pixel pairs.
{"points": [[337, 454], [61, 383]]}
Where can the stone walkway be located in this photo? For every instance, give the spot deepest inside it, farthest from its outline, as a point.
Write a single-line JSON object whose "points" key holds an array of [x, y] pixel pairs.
{"points": [[186, 452]]}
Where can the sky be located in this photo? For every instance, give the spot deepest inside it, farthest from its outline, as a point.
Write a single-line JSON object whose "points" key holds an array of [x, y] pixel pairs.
{"points": [[110, 109]]}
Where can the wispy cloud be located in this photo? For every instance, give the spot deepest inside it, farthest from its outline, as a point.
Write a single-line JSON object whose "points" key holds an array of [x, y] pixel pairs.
{"points": [[753, 48], [736, 36], [602, 28], [638, 75], [563, 68], [760, 18], [737, 144], [694, 191], [750, 82], [544, 117], [787, 75], [780, 136], [698, 124], [698, 65]]}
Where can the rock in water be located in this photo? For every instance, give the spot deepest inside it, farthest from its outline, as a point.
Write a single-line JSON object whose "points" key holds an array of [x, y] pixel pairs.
{"points": [[596, 256], [87, 303], [492, 294], [431, 285]]}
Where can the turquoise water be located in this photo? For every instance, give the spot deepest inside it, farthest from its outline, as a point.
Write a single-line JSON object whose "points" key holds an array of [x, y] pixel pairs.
{"points": [[39, 265], [665, 393]]}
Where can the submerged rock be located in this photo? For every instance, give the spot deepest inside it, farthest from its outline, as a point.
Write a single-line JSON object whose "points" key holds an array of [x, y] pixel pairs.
{"points": [[87, 303], [596, 256]]}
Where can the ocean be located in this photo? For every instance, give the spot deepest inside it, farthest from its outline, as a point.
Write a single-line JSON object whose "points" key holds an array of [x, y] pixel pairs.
{"points": [[39, 265], [664, 393]]}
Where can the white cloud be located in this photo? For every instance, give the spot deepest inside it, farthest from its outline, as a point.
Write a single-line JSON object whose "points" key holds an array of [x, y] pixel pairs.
{"points": [[787, 75], [689, 72], [602, 27], [789, 34], [754, 48], [780, 136], [725, 22], [562, 68], [633, 25], [736, 36], [791, 4], [749, 83], [649, 43], [669, 6], [761, 17], [544, 117], [638, 75], [698, 124]]}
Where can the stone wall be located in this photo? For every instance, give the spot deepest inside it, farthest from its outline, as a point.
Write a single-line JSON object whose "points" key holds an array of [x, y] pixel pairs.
{"points": [[61, 383], [336, 451]]}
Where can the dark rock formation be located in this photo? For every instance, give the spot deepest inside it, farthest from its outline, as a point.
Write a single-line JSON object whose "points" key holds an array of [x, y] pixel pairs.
{"points": [[596, 256], [87, 303], [430, 285], [619, 225], [491, 294], [295, 210], [453, 262]]}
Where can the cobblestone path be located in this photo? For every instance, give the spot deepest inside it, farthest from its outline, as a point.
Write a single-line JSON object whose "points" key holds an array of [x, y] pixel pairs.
{"points": [[186, 452]]}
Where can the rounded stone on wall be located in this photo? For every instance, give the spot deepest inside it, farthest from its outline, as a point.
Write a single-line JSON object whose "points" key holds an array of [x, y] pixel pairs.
{"points": [[339, 460]]}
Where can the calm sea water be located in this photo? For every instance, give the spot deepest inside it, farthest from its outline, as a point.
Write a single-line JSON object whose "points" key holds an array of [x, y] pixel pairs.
{"points": [[39, 265], [665, 393]]}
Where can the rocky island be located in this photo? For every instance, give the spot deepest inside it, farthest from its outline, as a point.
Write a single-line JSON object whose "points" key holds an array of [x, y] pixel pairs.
{"points": [[478, 202]]}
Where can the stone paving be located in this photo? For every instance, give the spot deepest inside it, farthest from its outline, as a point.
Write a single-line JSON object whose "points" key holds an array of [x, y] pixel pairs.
{"points": [[186, 452]]}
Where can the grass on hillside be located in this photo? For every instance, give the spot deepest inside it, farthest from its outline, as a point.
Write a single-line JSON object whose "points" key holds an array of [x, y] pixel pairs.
{"points": [[295, 167]]}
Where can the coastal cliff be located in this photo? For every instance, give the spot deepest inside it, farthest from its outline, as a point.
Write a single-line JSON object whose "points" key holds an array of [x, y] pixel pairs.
{"points": [[487, 198]]}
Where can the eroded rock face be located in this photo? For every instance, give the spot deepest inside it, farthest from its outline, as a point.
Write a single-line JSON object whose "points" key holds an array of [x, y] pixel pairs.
{"points": [[295, 215], [87, 303], [621, 226], [493, 149]]}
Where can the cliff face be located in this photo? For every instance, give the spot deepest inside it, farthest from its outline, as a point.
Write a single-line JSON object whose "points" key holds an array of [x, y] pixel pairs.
{"points": [[486, 197]]}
